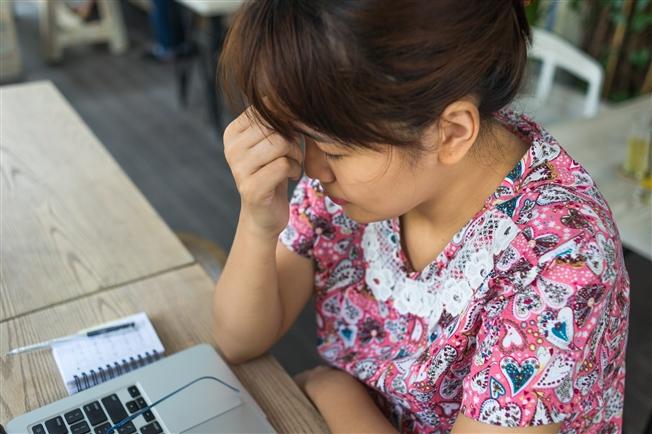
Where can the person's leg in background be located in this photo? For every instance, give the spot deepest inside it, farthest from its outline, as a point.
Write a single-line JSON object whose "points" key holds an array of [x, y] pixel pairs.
{"points": [[85, 9], [168, 30]]}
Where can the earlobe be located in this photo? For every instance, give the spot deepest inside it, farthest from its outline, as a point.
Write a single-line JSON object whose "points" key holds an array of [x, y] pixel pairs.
{"points": [[459, 125]]}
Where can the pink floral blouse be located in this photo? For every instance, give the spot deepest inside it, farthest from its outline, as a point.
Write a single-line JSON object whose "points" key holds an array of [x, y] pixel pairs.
{"points": [[521, 320]]}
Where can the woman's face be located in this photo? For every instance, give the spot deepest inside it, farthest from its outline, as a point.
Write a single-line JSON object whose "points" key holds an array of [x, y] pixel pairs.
{"points": [[371, 185]]}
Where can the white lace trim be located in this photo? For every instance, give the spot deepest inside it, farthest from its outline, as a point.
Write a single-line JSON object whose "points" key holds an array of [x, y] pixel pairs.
{"points": [[432, 293]]}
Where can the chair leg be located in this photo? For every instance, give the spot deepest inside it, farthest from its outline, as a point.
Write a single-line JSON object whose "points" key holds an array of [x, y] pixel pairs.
{"points": [[210, 256], [111, 15], [50, 45], [10, 56], [183, 71], [208, 73]]}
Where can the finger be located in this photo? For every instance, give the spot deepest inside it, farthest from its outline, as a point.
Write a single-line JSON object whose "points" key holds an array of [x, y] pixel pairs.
{"points": [[237, 148], [249, 137], [235, 127], [246, 120], [270, 149], [291, 148], [276, 172]]}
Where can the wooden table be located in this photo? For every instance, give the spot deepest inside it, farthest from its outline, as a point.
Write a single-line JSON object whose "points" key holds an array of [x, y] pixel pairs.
{"points": [[80, 246], [72, 222], [600, 145]]}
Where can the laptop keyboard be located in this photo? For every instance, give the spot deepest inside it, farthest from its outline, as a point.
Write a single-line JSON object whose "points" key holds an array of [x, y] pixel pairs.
{"points": [[98, 416]]}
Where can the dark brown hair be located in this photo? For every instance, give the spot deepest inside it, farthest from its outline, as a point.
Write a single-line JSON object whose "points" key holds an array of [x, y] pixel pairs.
{"points": [[366, 72]]}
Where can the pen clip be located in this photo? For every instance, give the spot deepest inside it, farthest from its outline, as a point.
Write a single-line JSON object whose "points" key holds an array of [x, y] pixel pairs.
{"points": [[100, 327]]}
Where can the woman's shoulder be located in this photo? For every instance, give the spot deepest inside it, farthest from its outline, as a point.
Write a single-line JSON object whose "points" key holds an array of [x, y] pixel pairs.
{"points": [[551, 199]]}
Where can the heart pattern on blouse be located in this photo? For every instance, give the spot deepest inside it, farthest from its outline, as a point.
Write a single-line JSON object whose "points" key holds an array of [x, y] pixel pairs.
{"points": [[594, 258], [448, 408], [526, 302], [586, 382], [558, 329], [513, 339], [565, 390], [555, 294], [542, 414], [543, 355], [496, 388], [519, 375], [559, 367], [480, 381], [492, 412], [348, 334]]}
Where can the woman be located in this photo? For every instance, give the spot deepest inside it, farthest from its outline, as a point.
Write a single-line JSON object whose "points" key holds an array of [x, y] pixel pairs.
{"points": [[467, 273]]}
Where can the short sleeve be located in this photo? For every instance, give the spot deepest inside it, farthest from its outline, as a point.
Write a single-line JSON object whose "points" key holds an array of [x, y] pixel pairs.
{"points": [[306, 212], [541, 346]]}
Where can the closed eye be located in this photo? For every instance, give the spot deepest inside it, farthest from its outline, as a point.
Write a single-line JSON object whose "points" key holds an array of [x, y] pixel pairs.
{"points": [[333, 156], [310, 137]]}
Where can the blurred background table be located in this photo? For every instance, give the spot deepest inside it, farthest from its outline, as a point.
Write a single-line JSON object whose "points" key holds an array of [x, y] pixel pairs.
{"points": [[81, 246], [600, 145]]}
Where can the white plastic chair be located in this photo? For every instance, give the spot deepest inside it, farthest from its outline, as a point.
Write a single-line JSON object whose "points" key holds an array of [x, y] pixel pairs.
{"points": [[10, 57], [61, 28], [554, 52]]}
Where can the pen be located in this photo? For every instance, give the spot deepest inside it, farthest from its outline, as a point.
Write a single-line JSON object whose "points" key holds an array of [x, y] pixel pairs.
{"points": [[82, 333]]}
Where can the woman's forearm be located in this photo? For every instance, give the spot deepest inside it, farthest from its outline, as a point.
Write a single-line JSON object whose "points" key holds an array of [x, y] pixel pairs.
{"points": [[247, 308], [347, 407]]}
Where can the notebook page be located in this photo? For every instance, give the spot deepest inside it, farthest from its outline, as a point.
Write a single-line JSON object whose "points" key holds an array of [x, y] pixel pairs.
{"points": [[80, 356]]}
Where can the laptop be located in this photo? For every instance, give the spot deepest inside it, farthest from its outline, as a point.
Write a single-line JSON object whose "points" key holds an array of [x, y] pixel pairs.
{"points": [[204, 405]]}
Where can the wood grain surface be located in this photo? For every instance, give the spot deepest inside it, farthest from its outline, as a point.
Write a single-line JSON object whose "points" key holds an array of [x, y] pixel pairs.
{"points": [[72, 222], [179, 305]]}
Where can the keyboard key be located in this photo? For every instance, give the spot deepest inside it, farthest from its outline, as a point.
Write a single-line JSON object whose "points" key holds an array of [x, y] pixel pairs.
{"points": [[56, 426], [114, 407], [149, 416], [141, 402], [73, 416], [151, 428], [80, 428], [95, 413], [132, 406], [133, 391], [128, 428], [38, 429], [102, 429]]}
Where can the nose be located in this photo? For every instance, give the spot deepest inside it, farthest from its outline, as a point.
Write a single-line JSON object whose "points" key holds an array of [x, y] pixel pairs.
{"points": [[316, 165]]}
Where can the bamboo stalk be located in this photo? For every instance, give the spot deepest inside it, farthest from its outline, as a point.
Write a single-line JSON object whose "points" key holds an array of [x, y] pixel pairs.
{"points": [[616, 46], [647, 83], [600, 33]]}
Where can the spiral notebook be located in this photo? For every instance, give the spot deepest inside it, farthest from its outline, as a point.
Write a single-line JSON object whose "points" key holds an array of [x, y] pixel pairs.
{"points": [[88, 361]]}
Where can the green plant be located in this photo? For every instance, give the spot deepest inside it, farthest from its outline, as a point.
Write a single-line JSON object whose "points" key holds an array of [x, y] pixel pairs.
{"points": [[617, 33]]}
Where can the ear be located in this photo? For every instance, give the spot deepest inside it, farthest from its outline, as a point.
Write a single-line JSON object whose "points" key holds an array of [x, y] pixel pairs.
{"points": [[458, 128]]}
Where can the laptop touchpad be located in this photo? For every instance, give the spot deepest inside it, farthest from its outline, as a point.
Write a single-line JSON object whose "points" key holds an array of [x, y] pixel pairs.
{"points": [[198, 403], [237, 420]]}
